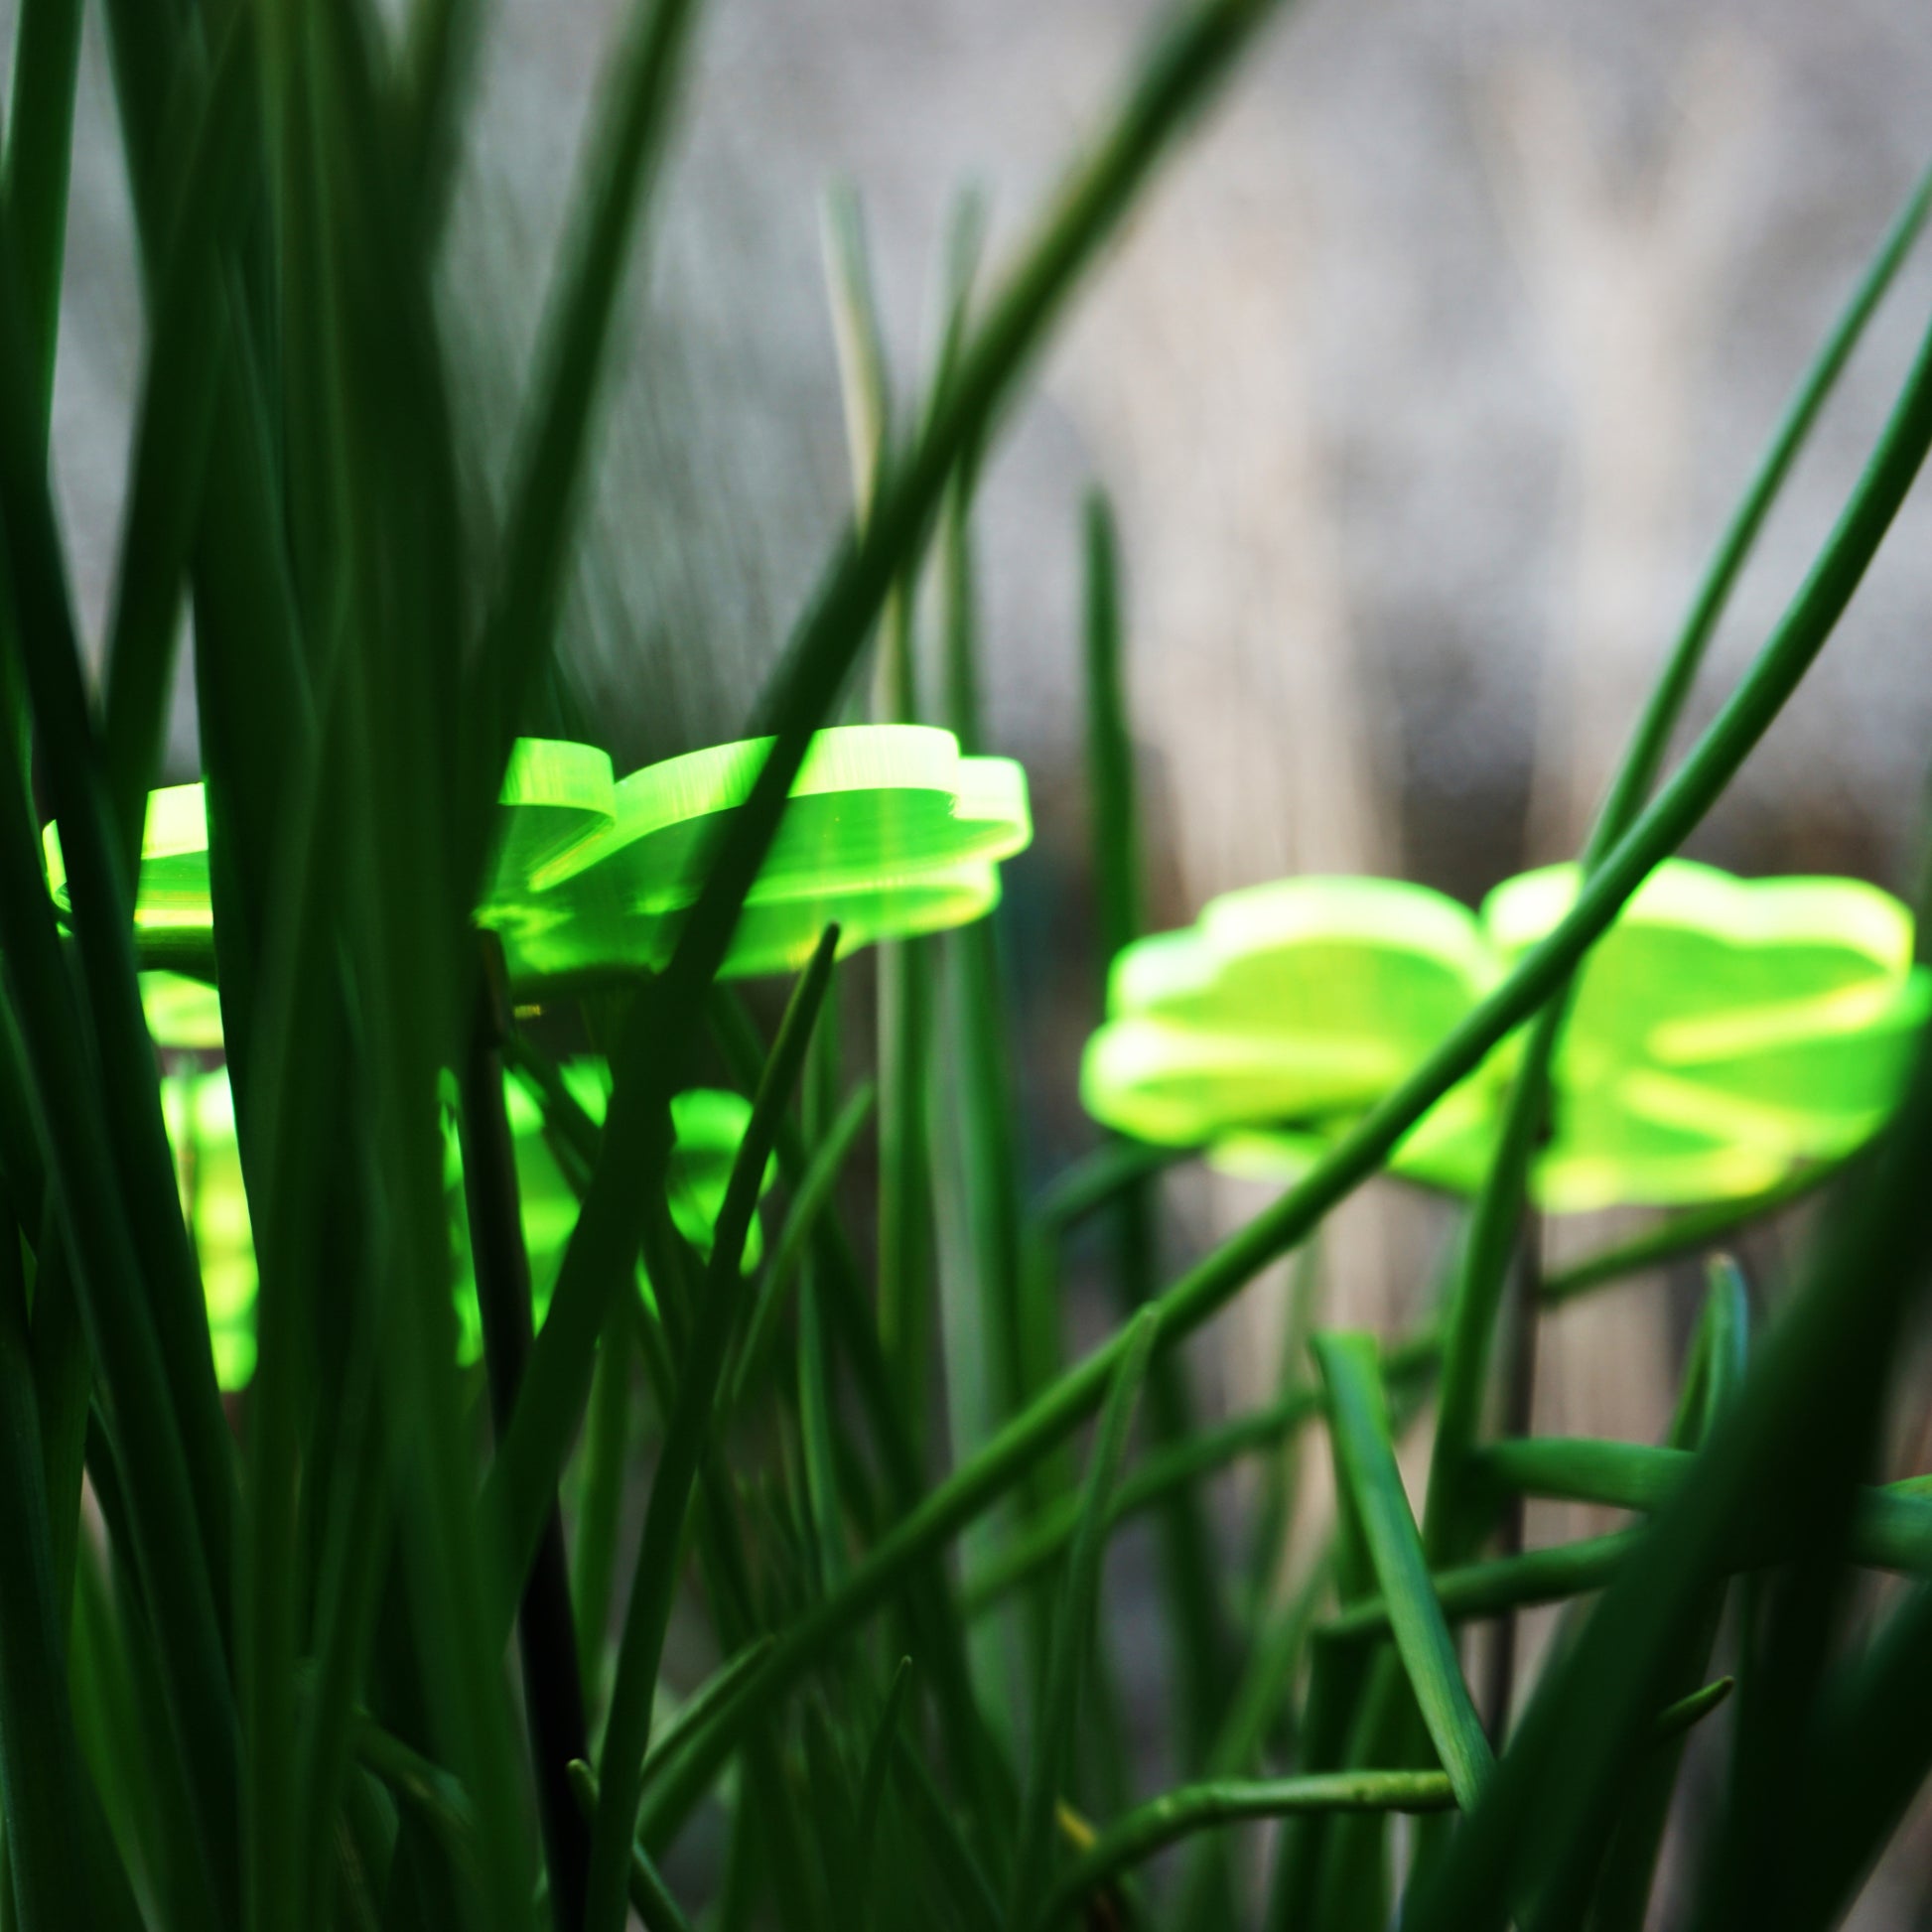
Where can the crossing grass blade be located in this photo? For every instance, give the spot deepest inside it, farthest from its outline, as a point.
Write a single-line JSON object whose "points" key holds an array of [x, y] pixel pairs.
{"points": [[174, 423], [796, 1236], [62, 1877], [621, 166], [872, 1793], [1199, 1641], [1192, 1808], [1358, 1423], [1173, 83], [1719, 1361], [1576, 1744], [1072, 1635], [627, 1731], [40, 135], [1472, 1319]]}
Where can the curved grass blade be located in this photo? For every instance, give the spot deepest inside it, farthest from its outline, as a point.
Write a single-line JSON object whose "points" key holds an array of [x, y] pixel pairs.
{"points": [[1477, 1589], [1358, 1424], [1195, 1620], [61, 1881], [163, 1525], [40, 142], [1576, 1744], [872, 1791], [650, 1896], [174, 423], [48, 644], [1187, 1809], [619, 170], [1472, 1319], [814, 1191], [627, 1731], [1074, 1626]]}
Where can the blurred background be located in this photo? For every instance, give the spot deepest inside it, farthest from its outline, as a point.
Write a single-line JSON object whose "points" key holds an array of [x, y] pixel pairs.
{"points": [[1421, 388]]}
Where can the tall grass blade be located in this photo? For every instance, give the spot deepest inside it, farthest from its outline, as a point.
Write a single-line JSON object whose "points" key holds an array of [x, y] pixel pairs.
{"points": [[1073, 1626], [1478, 1290], [1577, 1742], [1174, 82], [1189, 1809], [627, 1731], [40, 140], [63, 1875], [1358, 1423]]}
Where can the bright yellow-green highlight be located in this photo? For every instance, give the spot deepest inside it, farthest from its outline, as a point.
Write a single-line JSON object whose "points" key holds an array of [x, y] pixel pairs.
{"points": [[890, 831], [199, 1107], [1721, 1033]]}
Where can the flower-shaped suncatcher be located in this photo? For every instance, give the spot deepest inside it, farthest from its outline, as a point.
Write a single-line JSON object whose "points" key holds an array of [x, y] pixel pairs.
{"points": [[198, 1105], [890, 831], [1721, 1033]]}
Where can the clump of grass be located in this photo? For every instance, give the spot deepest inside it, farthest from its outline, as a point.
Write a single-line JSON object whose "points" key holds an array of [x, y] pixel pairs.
{"points": [[255, 1660]]}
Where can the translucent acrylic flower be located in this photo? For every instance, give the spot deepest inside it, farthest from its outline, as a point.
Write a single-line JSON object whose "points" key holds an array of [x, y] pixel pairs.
{"points": [[1721, 1033]]}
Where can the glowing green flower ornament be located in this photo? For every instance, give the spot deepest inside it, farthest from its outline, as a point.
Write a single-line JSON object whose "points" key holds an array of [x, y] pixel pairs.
{"points": [[1721, 1033], [890, 831], [198, 1105]]}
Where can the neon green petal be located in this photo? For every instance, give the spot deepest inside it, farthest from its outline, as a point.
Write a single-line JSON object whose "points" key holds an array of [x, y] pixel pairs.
{"points": [[183, 1014], [1305, 998], [889, 832], [1723, 1032]]}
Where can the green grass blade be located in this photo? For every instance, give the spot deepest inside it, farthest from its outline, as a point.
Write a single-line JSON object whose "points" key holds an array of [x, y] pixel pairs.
{"points": [[621, 166], [1869, 1762], [174, 422], [1073, 1624], [553, 1682], [1358, 1424], [965, 1884], [1173, 83], [1814, 1374], [650, 1897], [697, 1709], [165, 1528], [824, 1520], [814, 1191], [1195, 1620], [1093, 1181], [1552, 1574], [1191, 1808], [61, 1879], [48, 645], [607, 1439], [40, 141], [1499, 1207], [627, 1732], [1110, 740], [872, 1791], [428, 1791]]}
